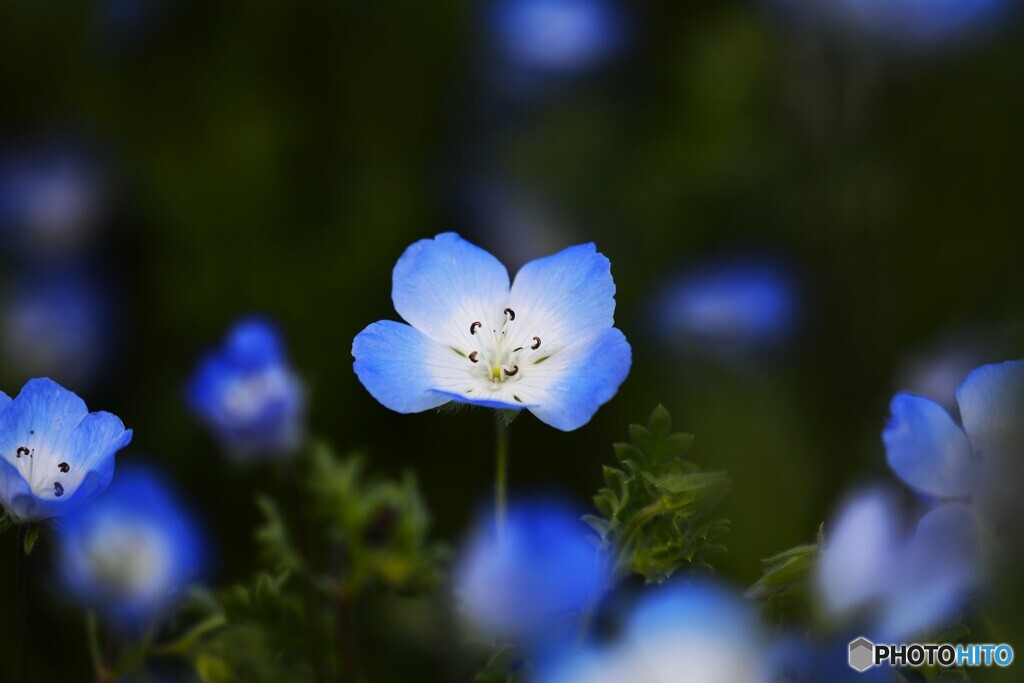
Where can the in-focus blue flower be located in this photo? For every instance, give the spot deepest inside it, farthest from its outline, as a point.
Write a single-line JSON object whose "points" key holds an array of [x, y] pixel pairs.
{"points": [[133, 551], [57, 326], [558, 36], [897, 584], [730, 307], [49, 200], [248, 394], [56, 455], [692, 633], [538, 571], [937, 457], [546, 344]]}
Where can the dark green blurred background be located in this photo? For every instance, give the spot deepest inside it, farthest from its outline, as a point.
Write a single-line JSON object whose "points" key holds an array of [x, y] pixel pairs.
{"points": [[278, 157]]}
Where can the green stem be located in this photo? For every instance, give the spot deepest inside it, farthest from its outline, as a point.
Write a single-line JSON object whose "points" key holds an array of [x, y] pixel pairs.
{"points": [[501, 473], [21, 601]]}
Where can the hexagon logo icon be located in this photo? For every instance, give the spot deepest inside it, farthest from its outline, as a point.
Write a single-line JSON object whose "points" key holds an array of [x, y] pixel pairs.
{"points": [[862, 654]]}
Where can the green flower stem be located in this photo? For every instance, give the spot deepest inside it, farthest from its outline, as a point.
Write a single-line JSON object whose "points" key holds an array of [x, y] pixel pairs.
{"points": [[21, 602], [501, 472]]}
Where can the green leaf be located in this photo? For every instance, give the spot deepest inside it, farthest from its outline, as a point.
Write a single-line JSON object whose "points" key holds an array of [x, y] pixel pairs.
{"points": [[655, 510], [786, 578], [31, 538]]}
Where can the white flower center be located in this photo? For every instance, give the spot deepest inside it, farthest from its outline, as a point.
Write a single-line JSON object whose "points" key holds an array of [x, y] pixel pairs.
{"points": [[502, 355], [47, 473]]}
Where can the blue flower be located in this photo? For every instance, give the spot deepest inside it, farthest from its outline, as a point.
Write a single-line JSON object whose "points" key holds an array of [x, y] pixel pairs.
{"points": [[541, 568], [729, 307], [248, 394], [900, 584], [56, 455], [557, 35], [698, 633], [937, 457], [130, 553], [49, 200], [546, 344], [56, 326]]}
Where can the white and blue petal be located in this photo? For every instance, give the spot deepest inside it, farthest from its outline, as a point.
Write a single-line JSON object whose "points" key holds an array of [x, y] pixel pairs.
{"points": [[442, 286], [991, 400], [566, 389], [926, 449], [405, 370], [933, 575], [858, 554], [55, 455], [564, 298]]}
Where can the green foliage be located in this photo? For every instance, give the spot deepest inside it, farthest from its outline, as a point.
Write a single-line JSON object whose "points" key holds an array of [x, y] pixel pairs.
{"points": [[344, 533], [656, 508], [507, 665], [783, 585], [31, 538], [261, 634]]}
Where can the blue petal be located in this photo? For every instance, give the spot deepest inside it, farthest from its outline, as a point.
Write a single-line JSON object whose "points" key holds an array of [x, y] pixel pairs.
{"points": [[926, 449], [567, 389], [858, 555], [441, 286], [991, 402], [936, 573], [5, 401], [254, 343], [392, 361], [565, 297], [43, 416]]}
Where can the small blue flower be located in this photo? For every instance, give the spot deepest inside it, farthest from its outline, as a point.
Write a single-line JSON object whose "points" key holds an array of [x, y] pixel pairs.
{"points": [[902, 584], [56, 455], [557, 35], [918, 20], [547, 343], [730, 307], [248, 394], [56, 326], [50, 198], [541, 568], [937, 457], [132, 552], [698, 633]]}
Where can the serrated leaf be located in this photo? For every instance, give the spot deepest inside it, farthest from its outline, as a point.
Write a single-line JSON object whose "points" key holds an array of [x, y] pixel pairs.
{"points": [[655, 507]]}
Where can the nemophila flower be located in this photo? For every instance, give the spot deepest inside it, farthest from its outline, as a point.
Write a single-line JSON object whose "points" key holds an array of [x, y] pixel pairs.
{"points": [[917, 20], [556, 35], [56, 326], [49, 200], [56, 455], [546, 344], [133, 551], [891, 582], [248, 394], [540, 571], [695, 633], [934, 455], [729, 307]]}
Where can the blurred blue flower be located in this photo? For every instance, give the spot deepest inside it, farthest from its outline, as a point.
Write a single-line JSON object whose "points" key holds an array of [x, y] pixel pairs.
{"points": [[917, 20], [692, 633], [57, 326], [133, 551], [547, 344], [935, 456], [56, 455], [556, 35], [248, 394], [50, 199], [540, 571], [729, 307], [895, 584]]}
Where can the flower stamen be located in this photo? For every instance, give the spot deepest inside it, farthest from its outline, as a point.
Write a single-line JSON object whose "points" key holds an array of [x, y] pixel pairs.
{"points": [[510, 313], [473, 357], [537, 345], [473, 328], [513, 371], [22, 451], [58, 489], [64, 467]]}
